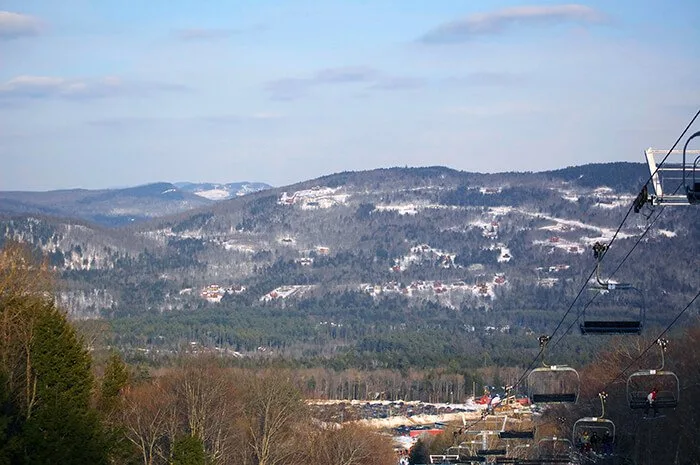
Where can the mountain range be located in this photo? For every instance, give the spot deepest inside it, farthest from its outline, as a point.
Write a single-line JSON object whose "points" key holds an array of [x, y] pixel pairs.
{"points": [[497, 250], [117, 207]]}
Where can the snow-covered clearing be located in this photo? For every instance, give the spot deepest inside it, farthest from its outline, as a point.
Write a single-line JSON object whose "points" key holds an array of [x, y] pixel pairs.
{"points": [[214, 194]]}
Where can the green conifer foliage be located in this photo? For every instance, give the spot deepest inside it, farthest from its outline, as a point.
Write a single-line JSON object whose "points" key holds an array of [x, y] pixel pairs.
{"points": [[45, 411], [62, 427], [188, 450], [115, 378]]}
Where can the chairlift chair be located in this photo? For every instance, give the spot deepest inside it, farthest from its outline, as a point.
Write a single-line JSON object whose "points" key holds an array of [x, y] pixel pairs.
{"points": [[691, 177], [466, 452], [489, 448], [554, 448], [603, 427], [448, 458], [552, 383], [674, 175], [522, 452], [512, 434], [515, 433], [641, 382], [611, 320]]}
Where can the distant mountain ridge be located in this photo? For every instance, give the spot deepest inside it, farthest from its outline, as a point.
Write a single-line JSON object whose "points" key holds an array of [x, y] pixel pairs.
{"points": [[497, 241], [117, 207]]}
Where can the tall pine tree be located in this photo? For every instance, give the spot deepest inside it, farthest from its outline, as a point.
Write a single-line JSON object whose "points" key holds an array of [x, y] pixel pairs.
{"points": [[45, 413]]}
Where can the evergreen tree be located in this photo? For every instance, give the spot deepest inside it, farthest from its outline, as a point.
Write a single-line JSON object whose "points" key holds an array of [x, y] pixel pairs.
{"points": [[115, 378], [188, 450], [419, 453], [46, 381], [62, 428]]}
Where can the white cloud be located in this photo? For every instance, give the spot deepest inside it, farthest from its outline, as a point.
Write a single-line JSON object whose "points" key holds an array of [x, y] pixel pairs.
{"points": [[497, 21], [15, 25], [496, 109], [294, 88], [222, 119], [49, 87], [346, 74]]}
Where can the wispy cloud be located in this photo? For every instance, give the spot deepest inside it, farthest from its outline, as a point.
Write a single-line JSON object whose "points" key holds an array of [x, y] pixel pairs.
{"points": [[204, 34], [288, 88], [226, 119], [498, 21], [209, 34], [239, 119], [48, 87], [510, 108], [398, 83], [294, 88], [15, 25], [487, 79], [346, 74]]}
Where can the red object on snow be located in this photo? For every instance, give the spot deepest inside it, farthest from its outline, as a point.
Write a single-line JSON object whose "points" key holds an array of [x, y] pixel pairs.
{"points": [[419, 432]]}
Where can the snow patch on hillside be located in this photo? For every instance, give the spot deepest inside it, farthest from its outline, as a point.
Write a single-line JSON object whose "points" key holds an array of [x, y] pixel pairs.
{"points": [[609, 205], [400, 209], [214, 194], [314, 198]]}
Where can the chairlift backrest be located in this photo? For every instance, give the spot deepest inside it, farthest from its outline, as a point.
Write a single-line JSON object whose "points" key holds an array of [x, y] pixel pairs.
{"points": [[676, 182], [554, 447], [600, 426], [553, 384], [640, 383], [608, 311]]}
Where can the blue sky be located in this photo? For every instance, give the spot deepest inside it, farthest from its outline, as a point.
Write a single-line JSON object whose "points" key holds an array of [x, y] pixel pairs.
{"points": [[107, 94]]}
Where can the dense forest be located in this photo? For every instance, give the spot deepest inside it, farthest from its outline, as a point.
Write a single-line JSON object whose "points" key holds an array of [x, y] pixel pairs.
{"points": [[61, 405], [68, 398], [402, 284]]}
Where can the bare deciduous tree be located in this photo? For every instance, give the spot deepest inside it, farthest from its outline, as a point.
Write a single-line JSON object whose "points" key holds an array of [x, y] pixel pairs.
{"points": [[145, 414], [272, 409]]}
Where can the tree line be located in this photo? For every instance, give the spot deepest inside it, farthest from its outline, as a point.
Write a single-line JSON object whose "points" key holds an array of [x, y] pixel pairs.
{"points": [[60, 405]]}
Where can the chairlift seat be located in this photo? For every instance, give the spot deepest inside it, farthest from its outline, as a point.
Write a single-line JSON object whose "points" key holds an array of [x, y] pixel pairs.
{"points": [[472, 458], [553, 398], [611, 327], [516, 434], [593, 425], [491, 452], [664, 399]]}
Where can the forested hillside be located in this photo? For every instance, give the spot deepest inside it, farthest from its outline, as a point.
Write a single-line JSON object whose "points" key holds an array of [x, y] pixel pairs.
{"points": [[58, 404], [390, 268]]}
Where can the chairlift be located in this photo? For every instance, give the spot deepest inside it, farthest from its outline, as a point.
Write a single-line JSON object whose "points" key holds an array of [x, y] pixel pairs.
{"points": [[447, 458], [466, 453], [489, 448], [691, 177], [522, 452], [479, 447], [554, 448], [674, 175], [513, 434], [612, 318], [640, 384], [552, 383], [603, 428]]}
